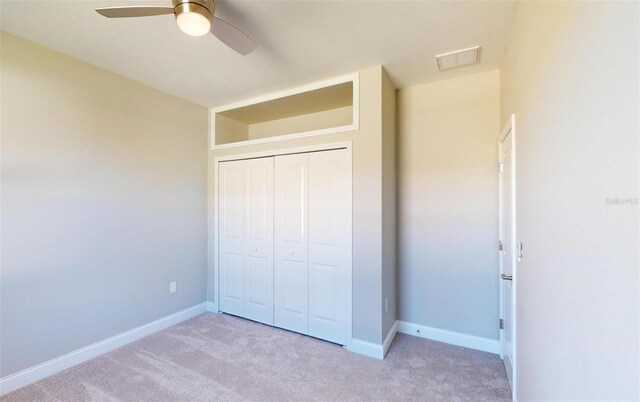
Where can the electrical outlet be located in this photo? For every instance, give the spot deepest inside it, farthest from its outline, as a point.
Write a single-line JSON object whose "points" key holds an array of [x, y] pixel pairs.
{"points": [[386, 305], [172, 287]]}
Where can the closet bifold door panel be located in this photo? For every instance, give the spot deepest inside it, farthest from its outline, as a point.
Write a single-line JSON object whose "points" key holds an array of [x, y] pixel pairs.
{"points": [[231, 242], [330, 246], [246, 238], [291, 276]]}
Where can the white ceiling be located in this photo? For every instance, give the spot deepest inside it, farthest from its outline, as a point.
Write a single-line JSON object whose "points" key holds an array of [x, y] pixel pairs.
{"points": [[298, 41]]}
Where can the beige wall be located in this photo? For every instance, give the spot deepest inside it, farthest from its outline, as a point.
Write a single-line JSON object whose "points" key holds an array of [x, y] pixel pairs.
{"points": [[367, 201], [230, 130], [103, 204], [447, 204], [570, 75], [388, 204], [312, 121]]}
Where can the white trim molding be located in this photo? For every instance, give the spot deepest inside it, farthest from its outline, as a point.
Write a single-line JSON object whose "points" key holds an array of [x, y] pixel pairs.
{"points": [[373, 349], [366, 348], [53, 366], [389, 339], [450, 337], [212, 307]]}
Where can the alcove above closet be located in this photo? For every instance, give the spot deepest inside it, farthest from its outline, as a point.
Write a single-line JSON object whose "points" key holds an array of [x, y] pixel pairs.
{"points": [[325, 107]]}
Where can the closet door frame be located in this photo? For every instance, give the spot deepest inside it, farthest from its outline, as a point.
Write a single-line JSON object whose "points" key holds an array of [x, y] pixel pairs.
{"points": [[214, 217]]}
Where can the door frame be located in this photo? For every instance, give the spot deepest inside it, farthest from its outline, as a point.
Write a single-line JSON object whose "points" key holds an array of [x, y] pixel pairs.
{"points": [[348, 147], [509, 128]]}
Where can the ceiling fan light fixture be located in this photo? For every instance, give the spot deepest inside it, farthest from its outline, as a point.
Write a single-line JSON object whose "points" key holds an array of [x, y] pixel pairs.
{"points": [[193, 19]]}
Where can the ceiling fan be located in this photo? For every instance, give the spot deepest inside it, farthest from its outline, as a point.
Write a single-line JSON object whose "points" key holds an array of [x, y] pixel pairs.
{"points": [[194, 17]]}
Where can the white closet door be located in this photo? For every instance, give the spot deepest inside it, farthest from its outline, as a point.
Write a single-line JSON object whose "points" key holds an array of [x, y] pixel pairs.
{"points": [[330, 246], [258, 274], [231, 201], [291, 303], [246, 238]]}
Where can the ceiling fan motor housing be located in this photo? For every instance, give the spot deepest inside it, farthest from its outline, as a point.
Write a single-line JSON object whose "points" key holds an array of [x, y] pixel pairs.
{"points": [[202, 7]]}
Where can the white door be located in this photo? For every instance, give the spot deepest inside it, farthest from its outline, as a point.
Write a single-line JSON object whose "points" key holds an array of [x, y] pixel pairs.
{"points": [[507, 250], [330, 246], [246, 238], [291, 276], [231, 200]]}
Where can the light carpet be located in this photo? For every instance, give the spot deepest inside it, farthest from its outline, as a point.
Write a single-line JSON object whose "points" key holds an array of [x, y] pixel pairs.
{"points": [[221, 357]]}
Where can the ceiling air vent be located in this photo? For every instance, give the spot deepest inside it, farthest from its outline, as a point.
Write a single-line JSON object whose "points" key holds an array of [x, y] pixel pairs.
{"points": [[459, 58]]}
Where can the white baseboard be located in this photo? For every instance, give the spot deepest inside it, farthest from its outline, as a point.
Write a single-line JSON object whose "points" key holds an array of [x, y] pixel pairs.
{"points": [[366, 348], [373, 349], [212, 307], [35, 373], [389, 339], [453, 338]]}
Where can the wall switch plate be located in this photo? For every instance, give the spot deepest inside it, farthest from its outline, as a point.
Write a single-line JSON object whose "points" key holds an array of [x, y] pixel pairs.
{"points": [[172, 287]]}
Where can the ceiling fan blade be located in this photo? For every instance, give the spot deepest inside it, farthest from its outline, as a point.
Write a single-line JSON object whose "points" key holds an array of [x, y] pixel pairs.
{"points": [[134, 11], [232, 36]]}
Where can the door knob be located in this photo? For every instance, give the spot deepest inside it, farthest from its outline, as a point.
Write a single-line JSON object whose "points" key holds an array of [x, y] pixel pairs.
{"points": [[291, 252], [255, 250], [506, 277]]}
